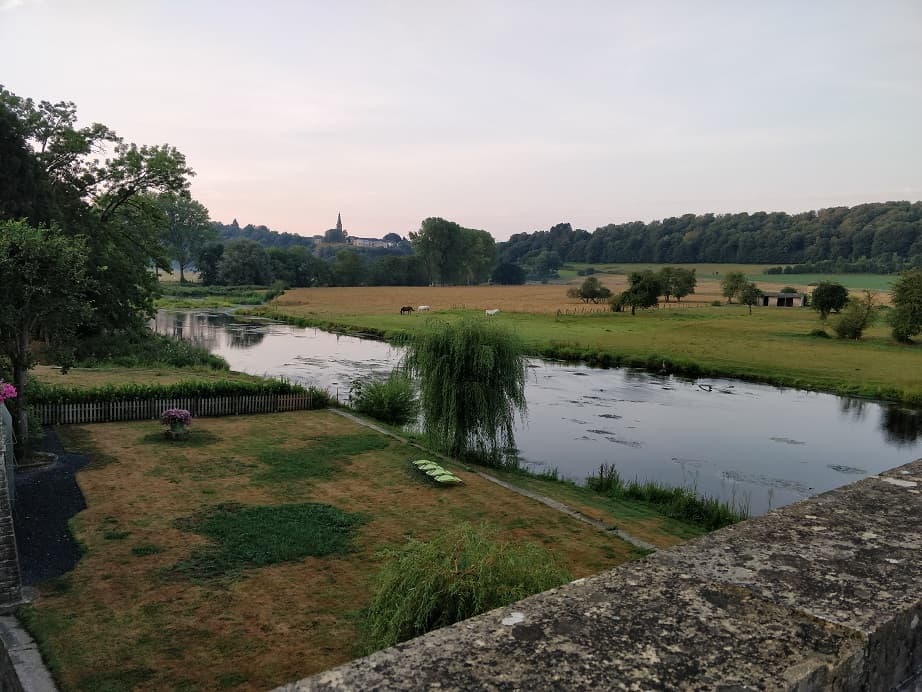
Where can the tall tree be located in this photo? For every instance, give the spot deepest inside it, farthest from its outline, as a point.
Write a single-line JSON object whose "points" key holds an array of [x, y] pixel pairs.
{"points": [[828, 297], [732, 285], [645, 289], [245, 262], [440, 244], [41, 296], [186, 230], [906, 319], [749, 295]]}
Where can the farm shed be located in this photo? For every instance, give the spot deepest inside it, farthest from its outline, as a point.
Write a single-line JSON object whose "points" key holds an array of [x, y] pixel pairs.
{"points": [[784, 300]]}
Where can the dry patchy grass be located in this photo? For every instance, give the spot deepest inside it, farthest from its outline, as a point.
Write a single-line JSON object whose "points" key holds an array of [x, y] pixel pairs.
{"points": [[124, 618], [97, 377]]}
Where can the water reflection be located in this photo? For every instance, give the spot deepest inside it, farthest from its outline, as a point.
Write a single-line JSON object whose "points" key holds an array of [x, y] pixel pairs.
{"points": [[744, 442], [902, 426]]}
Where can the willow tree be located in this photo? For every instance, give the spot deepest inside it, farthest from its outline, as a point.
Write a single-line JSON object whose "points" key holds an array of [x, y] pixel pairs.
{"points": [[471, 385]]}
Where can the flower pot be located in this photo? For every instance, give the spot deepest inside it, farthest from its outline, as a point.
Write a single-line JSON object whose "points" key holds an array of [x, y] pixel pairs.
{"points": [[177, 432]]}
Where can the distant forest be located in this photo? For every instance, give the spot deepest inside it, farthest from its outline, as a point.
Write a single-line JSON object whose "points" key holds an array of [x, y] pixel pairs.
{"points": [[881, 237], [261, 234]]}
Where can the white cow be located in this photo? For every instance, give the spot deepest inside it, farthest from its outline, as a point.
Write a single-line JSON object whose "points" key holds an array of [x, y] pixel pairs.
{"points": [[423, 308], [491, 312]]}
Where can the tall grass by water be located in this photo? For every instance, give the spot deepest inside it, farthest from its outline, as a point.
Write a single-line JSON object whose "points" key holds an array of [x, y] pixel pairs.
{"points": [[678, 503]]}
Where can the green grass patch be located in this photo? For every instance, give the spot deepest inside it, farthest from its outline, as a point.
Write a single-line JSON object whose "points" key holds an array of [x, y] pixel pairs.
{"points": [[318, 460], [144, 549], [678, 503], [196, 438], [257, 536]]}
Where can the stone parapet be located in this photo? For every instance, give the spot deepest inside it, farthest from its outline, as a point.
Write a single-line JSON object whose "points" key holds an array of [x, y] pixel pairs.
{"points": [[824, 594]]}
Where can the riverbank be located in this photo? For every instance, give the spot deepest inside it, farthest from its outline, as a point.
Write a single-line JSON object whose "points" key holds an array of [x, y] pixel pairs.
{"points": [[772, 345]]}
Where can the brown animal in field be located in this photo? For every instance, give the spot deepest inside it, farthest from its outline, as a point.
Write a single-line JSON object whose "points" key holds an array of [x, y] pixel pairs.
{"points": [[406, 309]]}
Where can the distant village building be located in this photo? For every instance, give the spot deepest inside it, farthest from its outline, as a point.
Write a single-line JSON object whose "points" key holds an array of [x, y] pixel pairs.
{"points": [[339, 235], [784, 300], [371, 242]]}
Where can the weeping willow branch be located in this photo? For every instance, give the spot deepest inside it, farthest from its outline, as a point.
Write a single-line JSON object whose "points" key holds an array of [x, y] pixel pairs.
{"points": [[472, 384]]}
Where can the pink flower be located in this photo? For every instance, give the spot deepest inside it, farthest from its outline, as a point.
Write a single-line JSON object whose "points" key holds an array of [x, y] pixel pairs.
{"points": [[7, 391], [176, 416]]}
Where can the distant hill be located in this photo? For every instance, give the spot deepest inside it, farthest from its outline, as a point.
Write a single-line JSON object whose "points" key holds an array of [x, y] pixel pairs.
{"points": [[879, 237], [262, 235]]}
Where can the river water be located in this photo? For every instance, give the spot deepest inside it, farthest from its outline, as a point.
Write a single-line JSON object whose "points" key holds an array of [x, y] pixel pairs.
{"points": [[759, 445]]}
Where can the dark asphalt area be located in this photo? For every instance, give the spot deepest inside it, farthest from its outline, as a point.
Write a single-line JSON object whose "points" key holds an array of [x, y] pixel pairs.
{"points": [[46, 498]]}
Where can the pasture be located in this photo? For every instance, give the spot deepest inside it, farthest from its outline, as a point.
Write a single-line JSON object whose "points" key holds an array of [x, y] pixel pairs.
{"points": [[242, 557], [772, 345]]}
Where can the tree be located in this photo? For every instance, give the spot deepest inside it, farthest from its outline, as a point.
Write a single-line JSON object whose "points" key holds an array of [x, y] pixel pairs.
{"points": [[335, 236], [645, 289], [508, 274], [684, 282], [828, 297], [906, 319], [750, 295], [454, 254], [392, 238], [472, 383], [732, 284], [45, 300], [856, 316], [245, 262], [348, 268], [209, 263], [186, 230], [591, 291]]}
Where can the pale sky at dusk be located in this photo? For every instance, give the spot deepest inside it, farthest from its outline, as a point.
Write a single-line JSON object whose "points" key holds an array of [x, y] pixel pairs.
{"points": [[507, 116]]}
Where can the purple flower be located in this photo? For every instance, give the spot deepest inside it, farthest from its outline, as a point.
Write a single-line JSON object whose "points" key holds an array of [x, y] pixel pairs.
{"points": [[176, 416], [7, 391]]}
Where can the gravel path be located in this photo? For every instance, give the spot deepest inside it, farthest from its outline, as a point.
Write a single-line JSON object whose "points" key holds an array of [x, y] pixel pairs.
{"points": [[46, 498]]}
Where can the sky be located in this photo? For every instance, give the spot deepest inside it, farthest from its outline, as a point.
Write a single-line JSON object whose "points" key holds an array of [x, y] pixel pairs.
{"points": [[506, 116]]}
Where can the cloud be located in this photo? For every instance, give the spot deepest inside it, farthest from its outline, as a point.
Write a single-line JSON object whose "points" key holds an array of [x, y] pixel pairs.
{"points": [[13, 4]]}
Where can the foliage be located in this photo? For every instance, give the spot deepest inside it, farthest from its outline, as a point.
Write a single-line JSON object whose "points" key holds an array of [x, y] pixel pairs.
{"points": [[463, 571], [749, 295], [876, 238], [677, 281], [392, 399], [176, 416], [590, 291], [906, 318], [42, 288], [453, 254], [732, 285], [244, 262], [678, 503], [186, 231], [508, 274], [256, 536], [56, 394], [142, 347], [472, 382], [829, 297], [262, 235], [208, 262], [857, 316], [644, 291]]}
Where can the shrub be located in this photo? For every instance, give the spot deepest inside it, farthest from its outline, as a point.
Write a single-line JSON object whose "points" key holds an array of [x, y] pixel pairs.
{"points": [[462, 572], [716, 303], [131, 349], [392, 400], [855, 317], [820, 333]]}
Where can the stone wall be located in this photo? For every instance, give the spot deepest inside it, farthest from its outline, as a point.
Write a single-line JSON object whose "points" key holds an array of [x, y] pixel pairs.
{"points": [[823, 594], [10, 582]]}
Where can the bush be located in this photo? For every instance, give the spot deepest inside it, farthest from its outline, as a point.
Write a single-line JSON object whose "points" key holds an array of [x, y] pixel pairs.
{"points": [[820, 333], [142, 348], [392, 400], [462, 572], [854, 319]]}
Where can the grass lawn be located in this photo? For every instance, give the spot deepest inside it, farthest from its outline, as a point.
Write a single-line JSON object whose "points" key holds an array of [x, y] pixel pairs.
{"points": [[771, 344], [242, 557], [98, 377]]}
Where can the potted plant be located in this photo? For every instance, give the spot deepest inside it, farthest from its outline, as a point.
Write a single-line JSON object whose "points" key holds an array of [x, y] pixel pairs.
{"points": [[177, 421]]}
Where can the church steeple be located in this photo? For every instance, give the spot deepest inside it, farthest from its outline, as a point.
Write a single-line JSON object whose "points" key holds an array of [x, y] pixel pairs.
{"points": [[339, 222]]}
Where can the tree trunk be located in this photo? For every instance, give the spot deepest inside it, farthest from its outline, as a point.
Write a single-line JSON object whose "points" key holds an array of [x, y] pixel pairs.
{"points": [[182, 278]]}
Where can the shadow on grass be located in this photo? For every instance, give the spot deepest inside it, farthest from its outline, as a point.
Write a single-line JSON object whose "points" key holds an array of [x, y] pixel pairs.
{"points": [[196, 438], [256, 536]]}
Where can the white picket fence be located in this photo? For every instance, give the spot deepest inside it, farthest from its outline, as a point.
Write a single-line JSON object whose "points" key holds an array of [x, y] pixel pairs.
{"points": [[147, 409]]}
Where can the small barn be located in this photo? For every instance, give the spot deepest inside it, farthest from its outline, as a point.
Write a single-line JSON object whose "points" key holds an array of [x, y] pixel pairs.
{"points": [[784, 300]]}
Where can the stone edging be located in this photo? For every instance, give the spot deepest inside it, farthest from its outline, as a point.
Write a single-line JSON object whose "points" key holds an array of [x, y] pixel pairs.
{"points": [[21, 666]]}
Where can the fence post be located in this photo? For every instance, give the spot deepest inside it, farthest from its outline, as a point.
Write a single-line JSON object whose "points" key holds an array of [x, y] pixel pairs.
{"points": [[10, 577]]}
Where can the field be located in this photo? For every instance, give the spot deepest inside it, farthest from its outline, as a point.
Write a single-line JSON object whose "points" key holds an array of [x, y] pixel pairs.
{"points": [[772, 344], [155, 603]]}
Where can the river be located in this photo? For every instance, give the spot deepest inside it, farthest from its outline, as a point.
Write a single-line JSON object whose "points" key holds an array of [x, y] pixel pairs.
{"points": [[760, 445]]}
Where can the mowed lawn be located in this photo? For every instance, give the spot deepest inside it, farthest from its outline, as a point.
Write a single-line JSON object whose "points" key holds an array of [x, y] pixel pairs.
{"points": [[771, 344], [192, 577]]}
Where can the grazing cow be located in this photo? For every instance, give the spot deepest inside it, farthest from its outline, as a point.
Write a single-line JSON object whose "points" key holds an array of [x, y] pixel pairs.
{"points": [[423, 308], [406, 309], [491, 312]]}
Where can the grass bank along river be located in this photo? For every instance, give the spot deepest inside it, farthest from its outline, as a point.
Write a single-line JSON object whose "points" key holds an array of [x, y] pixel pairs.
{"points": [[753, 443]]}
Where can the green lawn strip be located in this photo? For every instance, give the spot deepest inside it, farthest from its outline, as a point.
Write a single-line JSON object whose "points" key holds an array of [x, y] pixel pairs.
{"points": [[257, 536], [320, 459], [772, 345]]}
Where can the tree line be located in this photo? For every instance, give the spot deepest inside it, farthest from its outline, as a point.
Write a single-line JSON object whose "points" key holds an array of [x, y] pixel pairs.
{"points": [[883, 237]]}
